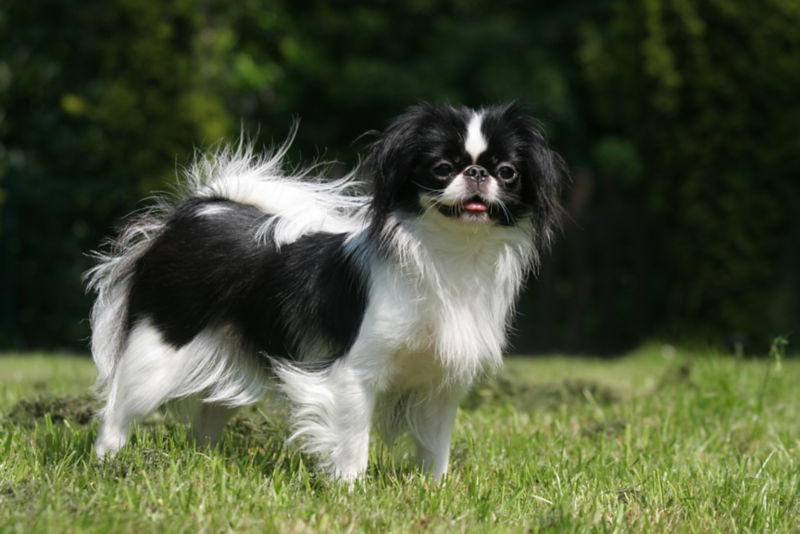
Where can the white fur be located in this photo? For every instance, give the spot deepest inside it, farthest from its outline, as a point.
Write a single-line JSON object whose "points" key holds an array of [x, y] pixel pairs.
{"points": [[110, 279], [430, 420], [453, 289], [302, 203], [331, 415], [149, 373], [475, 143], [458, 190], [455, 192], [211, 210]]}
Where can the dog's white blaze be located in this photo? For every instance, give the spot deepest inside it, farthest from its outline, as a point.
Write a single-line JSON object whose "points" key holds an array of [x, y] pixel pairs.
{"points": [[475, 143]]}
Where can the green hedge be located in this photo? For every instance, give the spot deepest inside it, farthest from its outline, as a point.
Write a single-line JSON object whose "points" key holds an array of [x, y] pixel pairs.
{"points": [[678, 118]]}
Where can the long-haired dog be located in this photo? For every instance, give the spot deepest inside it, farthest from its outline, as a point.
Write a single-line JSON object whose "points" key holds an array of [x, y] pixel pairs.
{"points": [[383, 307]]}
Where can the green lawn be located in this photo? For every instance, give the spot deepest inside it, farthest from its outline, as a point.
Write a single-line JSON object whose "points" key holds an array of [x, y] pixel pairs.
{"points": [[657, 441]]}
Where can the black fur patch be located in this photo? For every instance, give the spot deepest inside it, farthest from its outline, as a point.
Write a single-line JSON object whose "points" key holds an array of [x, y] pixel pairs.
{"points": [[208, 270]]}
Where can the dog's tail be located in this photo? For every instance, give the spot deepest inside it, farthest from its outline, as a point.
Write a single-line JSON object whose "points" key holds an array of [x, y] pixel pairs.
{"points": [[110, 279], [300, 201]]}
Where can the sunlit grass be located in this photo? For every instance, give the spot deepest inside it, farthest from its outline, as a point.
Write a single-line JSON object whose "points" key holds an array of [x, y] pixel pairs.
{"points": [[658, 440]]}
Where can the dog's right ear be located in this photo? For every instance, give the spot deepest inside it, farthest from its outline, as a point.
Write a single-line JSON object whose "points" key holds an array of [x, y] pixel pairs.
{"points": [[390, 163], [391, 160]]}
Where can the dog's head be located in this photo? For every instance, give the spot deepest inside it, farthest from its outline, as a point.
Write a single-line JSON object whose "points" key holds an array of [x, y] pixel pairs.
{"points": [[490, 166]]}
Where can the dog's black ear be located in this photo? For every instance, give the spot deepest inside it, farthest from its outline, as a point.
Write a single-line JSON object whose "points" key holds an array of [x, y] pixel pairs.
{"points": [[545, 172], [548, 211], [391, 159]]}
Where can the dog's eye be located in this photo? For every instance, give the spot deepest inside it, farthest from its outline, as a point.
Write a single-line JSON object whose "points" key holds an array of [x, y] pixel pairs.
{"points": [[506, 173], [443, 170]]}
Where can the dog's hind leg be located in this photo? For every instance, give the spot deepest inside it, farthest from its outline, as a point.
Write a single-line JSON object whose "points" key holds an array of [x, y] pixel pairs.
{"points": [[142, 380]]}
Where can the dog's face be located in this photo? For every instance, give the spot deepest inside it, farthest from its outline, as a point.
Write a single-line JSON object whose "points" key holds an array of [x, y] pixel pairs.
{"points": [[486, 167]]}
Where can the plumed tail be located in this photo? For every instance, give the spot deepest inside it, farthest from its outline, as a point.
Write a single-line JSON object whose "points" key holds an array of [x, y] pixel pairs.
{"points": [[301, 200], [110, 279]]}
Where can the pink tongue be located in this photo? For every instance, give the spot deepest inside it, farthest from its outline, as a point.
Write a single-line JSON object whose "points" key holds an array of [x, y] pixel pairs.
{"points": [[476, 206]]}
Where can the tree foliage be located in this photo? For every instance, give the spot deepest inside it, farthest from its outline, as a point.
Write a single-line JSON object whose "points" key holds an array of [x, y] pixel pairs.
{"points": [[677, 118], [703, 94]]}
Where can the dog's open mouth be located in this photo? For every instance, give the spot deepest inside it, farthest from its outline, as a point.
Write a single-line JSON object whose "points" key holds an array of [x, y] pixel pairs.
{"points": [[474, 209]]}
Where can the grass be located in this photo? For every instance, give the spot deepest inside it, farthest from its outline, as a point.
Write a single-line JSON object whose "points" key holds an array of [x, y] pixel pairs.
{"points": [[657, 441]]}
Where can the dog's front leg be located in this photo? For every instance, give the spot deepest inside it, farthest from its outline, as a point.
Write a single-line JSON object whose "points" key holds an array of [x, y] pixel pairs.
{"points": [[331, 416], [433, 428], [349, 424]]}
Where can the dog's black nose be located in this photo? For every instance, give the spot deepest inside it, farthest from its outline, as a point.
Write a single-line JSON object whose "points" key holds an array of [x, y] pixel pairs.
{"points": [[477, 173]]}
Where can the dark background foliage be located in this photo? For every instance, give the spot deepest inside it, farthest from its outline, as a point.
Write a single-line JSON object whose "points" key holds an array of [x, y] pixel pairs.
{"points": [[679, 120]]}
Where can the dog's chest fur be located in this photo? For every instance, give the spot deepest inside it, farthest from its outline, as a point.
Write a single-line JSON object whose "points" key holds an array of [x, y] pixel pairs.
{"points": [[441, 309]]}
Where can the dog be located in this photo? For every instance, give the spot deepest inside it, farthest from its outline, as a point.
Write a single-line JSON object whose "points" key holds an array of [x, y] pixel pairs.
{"points": [[377, 297]]}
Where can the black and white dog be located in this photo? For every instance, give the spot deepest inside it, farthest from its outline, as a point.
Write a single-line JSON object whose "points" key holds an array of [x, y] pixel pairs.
{"points": [[381, 307]]}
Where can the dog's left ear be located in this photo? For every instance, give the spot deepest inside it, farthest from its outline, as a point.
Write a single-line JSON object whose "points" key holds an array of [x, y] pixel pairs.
{"points": [[546, 171]]}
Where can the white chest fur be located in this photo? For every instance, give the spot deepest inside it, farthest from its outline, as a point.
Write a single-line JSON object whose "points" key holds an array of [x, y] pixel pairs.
{"points": [[441, 308]]}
